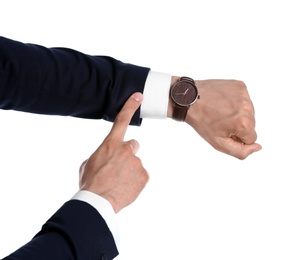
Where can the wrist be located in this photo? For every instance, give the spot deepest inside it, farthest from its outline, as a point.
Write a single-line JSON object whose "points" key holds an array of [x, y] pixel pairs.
{"points": [[183, 94]]}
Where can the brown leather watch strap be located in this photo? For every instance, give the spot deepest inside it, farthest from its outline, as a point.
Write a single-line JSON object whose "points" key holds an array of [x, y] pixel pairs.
{"points": [[187, 79], [179, 112]]}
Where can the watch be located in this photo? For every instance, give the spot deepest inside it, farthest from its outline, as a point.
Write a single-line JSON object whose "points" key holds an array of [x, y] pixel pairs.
{"points": [[183, 93]]}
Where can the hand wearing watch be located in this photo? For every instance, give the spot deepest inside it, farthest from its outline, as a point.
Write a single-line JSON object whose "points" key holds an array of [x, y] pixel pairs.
{"points": [[183, 93]]}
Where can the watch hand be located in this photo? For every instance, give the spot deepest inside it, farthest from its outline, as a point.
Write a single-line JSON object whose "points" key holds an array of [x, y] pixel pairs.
{"points": [[182, 93], [185, 91]]}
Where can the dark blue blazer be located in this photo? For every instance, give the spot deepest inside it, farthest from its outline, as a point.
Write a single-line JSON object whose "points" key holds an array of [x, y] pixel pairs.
{"points": [[75, 231], [61, 81]]}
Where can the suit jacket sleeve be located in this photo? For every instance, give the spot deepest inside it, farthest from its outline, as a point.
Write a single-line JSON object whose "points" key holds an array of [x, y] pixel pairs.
{"points": [[75, 231], [61, 81]]}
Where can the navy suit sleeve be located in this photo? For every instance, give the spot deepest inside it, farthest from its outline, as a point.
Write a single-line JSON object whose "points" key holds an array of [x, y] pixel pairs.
{"points": [[62, 81], [75, 231]]}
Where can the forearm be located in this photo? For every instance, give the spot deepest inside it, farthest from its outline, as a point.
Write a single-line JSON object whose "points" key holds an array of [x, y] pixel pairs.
{"points": [[60, 81], [75, 231]]}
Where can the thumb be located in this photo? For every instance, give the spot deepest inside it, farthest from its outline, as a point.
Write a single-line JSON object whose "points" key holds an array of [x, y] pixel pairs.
{"points": [[123, 118], [134, 145], [241, 150]]}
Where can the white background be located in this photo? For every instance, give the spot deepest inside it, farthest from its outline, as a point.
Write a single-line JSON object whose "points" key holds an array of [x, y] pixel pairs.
{"points": [[199, 203]]}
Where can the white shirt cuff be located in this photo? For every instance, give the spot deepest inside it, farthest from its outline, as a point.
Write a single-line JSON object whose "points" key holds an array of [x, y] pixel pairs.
{"points": [[156, 95], [104, 208]]}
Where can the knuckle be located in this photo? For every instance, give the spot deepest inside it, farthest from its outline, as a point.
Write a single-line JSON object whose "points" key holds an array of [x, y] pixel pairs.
{"points": [[146, 176], [138, 163], [109, 141], [143, 173], [246, 123], [246, 130], [245, 106], [108, 146]]}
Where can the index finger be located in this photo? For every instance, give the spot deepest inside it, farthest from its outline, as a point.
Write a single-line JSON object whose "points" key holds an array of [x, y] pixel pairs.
{"points": [[123, 118]]}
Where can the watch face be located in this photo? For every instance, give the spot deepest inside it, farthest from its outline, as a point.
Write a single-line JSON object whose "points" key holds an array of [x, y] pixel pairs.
{"points": [[184, 93]]}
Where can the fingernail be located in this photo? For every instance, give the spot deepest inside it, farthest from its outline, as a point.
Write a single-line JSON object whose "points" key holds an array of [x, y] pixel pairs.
{"points": [[138, 96]]}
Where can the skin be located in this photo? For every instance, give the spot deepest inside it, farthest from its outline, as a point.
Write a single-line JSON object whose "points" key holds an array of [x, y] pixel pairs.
{"points": [[113, 171], [224, 116]]}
